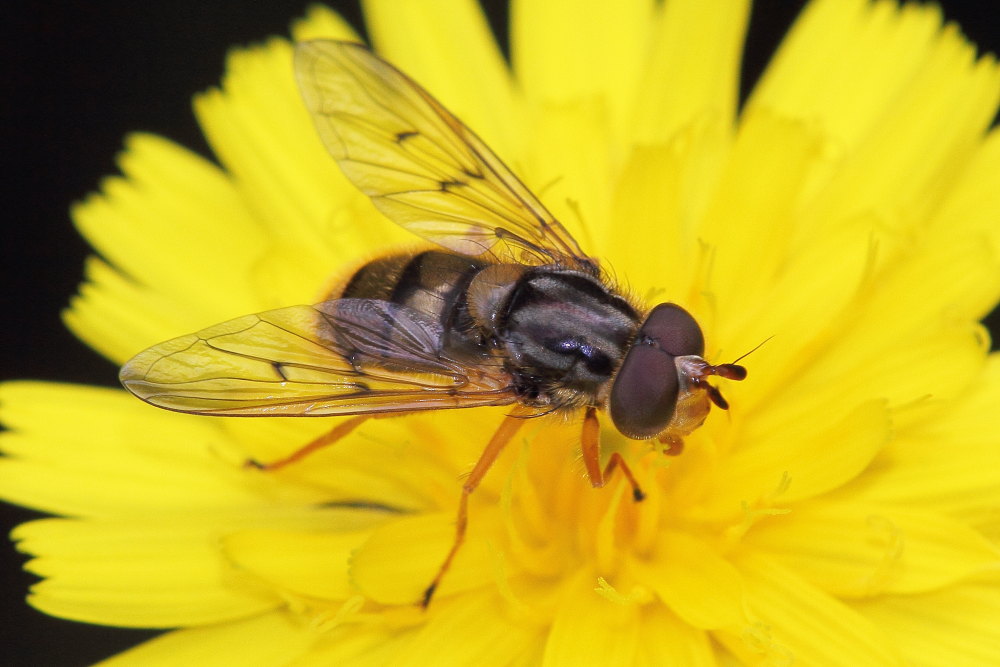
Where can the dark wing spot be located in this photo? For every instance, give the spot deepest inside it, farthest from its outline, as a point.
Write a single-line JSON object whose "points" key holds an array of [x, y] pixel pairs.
{"points": [[279, 369], [403, 136], [449, 185], [472, 173]]}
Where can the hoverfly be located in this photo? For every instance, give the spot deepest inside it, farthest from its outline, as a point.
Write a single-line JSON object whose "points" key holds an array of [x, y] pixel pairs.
{"points": [[506, 310]]}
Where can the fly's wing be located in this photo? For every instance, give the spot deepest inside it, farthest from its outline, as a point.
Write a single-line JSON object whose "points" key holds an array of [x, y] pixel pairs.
{"points": [[420, 165], [340, 357]]}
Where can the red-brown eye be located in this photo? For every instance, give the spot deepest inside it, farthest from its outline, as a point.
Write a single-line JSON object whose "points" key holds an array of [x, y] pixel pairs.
{"points": [[644, 392]]}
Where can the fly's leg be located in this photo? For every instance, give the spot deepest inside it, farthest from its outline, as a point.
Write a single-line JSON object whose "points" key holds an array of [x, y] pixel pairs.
{"points": [[508, 428], [590, 443], [341, 430]]}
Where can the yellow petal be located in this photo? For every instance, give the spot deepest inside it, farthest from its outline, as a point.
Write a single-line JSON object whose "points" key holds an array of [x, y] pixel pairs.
{"points": [[970, 204], [918, 102], [309, 564], [118, 317], [572, 174], [135, 574], [928, 287], [958, 625], [759, 187], [110, 455], [470, 630], [949, 463], [356, 644], [928, 297], [796, 622], [682, 569], [399, 561], [692, 70], [653, 199], [591, 629], [867, 361], [665, 639], [810, 453], [173, 208], [805, 310], [321, 22], [273, 638], [608, 47], [853, 549]]}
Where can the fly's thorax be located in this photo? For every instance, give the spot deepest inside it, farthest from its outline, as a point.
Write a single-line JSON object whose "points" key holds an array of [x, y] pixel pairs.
{"points": [[564, 333]]}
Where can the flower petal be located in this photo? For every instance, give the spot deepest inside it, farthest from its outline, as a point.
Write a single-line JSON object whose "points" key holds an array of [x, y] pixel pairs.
{"points": [[958, 625], [798, 623], [110, 455], [309, 564], [855, 549], [383, 462], [692, 70], [759, 186], [961, 478], [917, 102], [117, 317], [471, 630], [653, 189], [273, 638], [172, 208], [608, 47], [574, 173], [397, 563], [801, 455], [135, 574], [590, 629], [970, 204], [321, 22], [665, 639], [694, 568], [863, 341], [356, 644]]}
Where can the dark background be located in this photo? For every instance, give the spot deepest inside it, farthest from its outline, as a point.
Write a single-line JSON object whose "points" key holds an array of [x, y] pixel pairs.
{"points": [[77, 79]]}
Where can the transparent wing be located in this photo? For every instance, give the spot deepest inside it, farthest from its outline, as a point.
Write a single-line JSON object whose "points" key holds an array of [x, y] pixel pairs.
{"points": [[420, 165], [340, 357]]}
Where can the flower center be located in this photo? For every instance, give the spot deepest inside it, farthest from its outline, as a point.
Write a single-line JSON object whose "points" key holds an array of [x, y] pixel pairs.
{"points": [[553, 517]]}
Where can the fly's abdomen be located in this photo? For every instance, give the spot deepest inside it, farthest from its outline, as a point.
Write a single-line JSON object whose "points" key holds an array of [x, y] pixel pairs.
{"points": [[432, 283]]}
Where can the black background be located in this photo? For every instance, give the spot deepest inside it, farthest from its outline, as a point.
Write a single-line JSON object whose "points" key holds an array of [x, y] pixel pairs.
{"points": [[77, 78]]}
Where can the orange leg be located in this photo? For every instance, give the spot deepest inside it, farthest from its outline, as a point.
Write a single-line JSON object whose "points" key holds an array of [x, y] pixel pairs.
{"points": [[339, 431], [508, 428], [590, 443]]}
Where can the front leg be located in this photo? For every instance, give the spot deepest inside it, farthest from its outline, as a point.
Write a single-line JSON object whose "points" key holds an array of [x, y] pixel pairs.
{"points": [[590, 444]]}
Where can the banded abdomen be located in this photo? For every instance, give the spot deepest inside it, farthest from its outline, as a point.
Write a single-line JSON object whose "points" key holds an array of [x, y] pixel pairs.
{"points": [[433, 283]]}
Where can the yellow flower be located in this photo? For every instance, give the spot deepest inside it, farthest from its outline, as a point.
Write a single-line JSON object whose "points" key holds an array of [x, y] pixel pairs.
{"points": [[846, 510]]}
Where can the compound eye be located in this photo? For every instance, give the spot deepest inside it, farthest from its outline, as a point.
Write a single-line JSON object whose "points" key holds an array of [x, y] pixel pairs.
{"points": [[644, 392], [674, 330]]}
